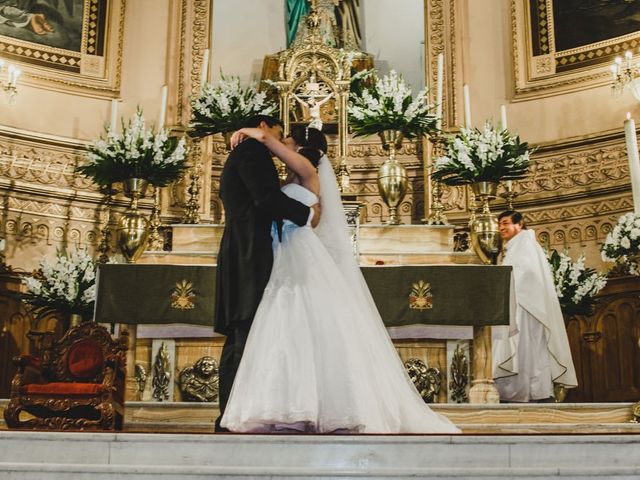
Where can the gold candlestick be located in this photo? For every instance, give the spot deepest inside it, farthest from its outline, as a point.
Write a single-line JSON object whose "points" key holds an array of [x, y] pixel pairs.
{"points": [[436, 212], [154, 242], [105, 234], [192, 207], [509, 195], [343, 174]]}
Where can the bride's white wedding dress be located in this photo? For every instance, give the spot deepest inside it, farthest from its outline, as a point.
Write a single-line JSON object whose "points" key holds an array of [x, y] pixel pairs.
{"points": [[318, 358]]}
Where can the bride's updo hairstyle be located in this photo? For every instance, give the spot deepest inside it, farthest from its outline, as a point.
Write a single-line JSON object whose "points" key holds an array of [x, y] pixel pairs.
{"points": [[312, 142]]}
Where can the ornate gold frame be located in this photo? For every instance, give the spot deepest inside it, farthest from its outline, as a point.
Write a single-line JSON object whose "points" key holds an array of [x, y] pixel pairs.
{"points": [[94, 70], [556, 72], [314, 59]]}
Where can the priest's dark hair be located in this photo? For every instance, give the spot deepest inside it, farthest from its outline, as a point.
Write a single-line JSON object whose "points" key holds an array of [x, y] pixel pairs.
{"points": [[312, 142], [253, 122], [516, 217]]}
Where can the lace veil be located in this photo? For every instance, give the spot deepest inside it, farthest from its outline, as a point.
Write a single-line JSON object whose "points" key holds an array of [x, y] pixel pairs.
{"points": [[333, 232]]}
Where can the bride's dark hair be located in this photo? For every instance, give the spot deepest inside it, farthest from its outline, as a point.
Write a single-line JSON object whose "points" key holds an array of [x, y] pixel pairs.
{"points": [[312, 142]]}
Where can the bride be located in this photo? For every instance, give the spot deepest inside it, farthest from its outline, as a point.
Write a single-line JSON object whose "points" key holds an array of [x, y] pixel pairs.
{"points": [[318, 357]]}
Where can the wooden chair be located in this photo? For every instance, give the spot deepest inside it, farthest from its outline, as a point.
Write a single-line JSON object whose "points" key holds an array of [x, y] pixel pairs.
{"points": [[78, 384]]}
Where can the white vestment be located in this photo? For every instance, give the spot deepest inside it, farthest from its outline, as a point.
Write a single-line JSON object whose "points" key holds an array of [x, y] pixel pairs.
{"points": [[528, 362]]}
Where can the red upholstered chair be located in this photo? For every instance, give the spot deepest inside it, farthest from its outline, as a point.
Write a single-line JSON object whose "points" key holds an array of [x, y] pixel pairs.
{"points": [[78, 384]]}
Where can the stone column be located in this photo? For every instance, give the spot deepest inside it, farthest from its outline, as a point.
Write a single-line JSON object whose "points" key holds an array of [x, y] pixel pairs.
{"points": [[131, 385], [483, 389]]}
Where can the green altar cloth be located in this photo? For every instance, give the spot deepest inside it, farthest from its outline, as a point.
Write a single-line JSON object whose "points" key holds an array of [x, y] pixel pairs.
{"points": [[404, 295]]}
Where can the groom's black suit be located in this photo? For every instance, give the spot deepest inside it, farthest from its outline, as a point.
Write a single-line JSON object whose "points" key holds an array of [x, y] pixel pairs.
{"points": [[250, 193]]}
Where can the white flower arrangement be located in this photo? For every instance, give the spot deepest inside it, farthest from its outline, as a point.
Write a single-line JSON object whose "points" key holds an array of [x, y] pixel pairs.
{"points": [[224, 108], [66, 286], [622, 244], [488, 155], [388, 105], [137, 152], [576, 285]]}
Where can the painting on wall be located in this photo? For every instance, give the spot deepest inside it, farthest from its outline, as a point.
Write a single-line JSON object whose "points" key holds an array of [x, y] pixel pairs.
{"points": [[72, 42], [578, 23], [571, 42]]}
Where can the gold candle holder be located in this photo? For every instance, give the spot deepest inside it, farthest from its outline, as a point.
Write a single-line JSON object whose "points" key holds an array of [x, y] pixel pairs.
{"points": [[155, 243], [436, 212]]}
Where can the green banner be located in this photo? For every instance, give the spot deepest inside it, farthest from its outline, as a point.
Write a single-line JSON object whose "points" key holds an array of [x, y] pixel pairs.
{"points": [[404, 295]]}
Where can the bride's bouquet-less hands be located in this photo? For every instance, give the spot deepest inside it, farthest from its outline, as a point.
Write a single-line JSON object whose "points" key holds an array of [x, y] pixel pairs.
{"points": [[225, 108], [487, 155], [576, 285], [66, 286], [137, 152], [386, 103], [622, 244]]}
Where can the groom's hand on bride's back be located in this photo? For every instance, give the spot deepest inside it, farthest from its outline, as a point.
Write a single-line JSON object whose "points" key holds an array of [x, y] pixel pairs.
{"points": [[317, 211]]}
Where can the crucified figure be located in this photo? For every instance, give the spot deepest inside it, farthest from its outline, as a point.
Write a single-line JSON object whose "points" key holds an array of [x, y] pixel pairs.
{"points": [[314, 100]]}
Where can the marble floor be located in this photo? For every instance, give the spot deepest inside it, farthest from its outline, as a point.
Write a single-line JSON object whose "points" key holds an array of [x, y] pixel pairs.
{"points": [[131, 456]]}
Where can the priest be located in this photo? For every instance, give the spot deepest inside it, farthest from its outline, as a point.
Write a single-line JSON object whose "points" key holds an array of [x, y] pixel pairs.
{"points": [[530, 359]]}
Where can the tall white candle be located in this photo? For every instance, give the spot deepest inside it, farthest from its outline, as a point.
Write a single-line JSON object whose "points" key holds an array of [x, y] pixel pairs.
{"points": [[439, 91], [503, 117], [467, 106], [634, 160], [204, 74], [114, 116], [163, 108]]}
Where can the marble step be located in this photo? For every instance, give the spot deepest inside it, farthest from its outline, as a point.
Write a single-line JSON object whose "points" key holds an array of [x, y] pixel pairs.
{"points": [[467, 414], [127, 456], [486, 419], [606, 418], [477, 419]]}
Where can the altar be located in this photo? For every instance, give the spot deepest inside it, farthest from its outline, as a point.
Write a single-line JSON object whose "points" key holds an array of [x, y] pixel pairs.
{"points": [[431, 300]]}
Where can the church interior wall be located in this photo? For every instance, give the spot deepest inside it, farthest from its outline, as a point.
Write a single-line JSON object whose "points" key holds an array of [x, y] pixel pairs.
{"points": [[241, 37], [578, 186], [48, 126]]}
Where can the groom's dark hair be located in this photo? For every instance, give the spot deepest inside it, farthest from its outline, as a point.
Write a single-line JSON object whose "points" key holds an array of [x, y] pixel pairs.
{"points": [[253, 122]]}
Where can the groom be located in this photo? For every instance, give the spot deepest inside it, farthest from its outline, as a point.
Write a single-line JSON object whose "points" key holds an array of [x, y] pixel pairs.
{"points": [[250, 193]]}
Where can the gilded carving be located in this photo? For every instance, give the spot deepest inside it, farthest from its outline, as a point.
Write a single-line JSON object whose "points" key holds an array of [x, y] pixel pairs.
{"points": [[459, 376], [161, 374], [199, 382], [544, 65], [426, 380], [603, 166]]}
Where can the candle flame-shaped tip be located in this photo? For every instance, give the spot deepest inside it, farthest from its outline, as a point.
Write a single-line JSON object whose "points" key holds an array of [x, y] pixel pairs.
{"points": [[628, 54], [628, 115], [618, 60]]}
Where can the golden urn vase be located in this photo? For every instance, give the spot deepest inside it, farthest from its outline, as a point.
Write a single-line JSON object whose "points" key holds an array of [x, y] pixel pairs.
{"points": [[392, 177], [485, 237], [133, 227]]}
